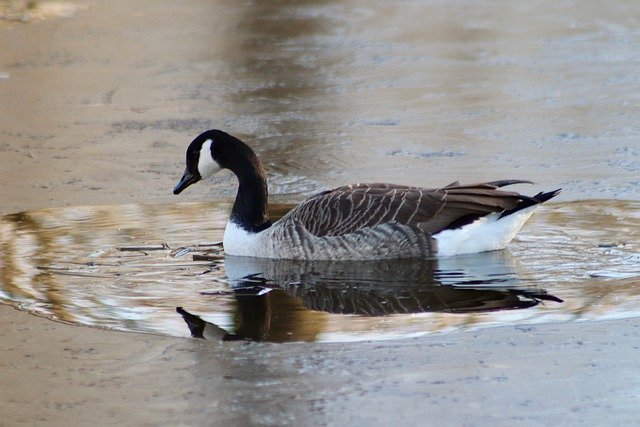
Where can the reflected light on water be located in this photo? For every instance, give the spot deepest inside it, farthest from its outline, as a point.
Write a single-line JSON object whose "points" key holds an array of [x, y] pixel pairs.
{"points": [[128, 267]]}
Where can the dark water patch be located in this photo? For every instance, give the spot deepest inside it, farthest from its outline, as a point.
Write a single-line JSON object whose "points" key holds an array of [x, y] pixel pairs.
{"points": [[382, 122], [129, 267], [425, 154]]}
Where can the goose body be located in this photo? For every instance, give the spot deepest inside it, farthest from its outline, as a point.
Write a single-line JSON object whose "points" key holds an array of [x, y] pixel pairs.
{"points": [[359, 221]]}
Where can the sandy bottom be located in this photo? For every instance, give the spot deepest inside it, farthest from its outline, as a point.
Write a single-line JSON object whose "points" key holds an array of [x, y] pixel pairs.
{"points": [[99, 104]]}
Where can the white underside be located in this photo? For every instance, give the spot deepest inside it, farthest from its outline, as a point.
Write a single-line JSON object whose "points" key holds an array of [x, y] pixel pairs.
{"points": [[488, 233], [240, 242]]}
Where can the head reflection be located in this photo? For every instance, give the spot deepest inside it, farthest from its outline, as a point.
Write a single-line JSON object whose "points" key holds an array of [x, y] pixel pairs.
{"points": [[274, 297]]}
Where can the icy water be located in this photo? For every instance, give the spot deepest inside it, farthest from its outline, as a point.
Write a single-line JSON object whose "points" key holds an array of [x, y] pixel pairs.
{"points": [[130, 267], [327, 93]]}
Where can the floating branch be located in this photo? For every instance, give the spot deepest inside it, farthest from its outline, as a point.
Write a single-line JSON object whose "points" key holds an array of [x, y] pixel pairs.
{"points": [[144, 248]]}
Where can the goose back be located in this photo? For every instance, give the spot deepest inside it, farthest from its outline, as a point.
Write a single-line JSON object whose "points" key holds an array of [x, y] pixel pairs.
{"points": [[351, 208]]}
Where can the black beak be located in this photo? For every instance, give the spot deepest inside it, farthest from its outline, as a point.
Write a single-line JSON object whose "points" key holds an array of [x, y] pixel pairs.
{"points": [[187, 179]]}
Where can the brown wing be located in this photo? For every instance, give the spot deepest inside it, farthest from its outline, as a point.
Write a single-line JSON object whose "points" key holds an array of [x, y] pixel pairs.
{"points": [[347, 209], [464, 204]]}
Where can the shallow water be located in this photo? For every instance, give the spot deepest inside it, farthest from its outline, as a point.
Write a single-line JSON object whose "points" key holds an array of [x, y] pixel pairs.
{"points": [[129, 267]]}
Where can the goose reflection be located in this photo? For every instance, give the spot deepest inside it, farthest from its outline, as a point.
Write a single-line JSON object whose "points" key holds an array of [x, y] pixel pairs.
{"points": [[269, 292]]}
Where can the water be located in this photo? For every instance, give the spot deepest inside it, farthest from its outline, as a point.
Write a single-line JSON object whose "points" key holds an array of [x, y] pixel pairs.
{"points": [[414, 92], [417, 92], [129, 267]]}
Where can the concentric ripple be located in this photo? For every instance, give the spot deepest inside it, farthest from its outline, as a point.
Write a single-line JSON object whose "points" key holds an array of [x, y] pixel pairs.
{"points": [[130, 267]]}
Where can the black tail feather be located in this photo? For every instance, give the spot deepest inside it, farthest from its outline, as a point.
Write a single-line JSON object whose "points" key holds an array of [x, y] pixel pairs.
{"points": [[530, 201], [543, 197]]}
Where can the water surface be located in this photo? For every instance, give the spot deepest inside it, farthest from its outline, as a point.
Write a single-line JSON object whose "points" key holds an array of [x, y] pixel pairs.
{"points": [[129, 267]]}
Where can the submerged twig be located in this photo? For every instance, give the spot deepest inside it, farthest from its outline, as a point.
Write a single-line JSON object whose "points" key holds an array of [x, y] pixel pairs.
{"points": [[143, 248], [201, 257], [217, 243]]}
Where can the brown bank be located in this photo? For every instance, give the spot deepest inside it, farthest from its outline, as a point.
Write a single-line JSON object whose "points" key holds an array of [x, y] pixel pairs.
{"points": [[99, 102]]}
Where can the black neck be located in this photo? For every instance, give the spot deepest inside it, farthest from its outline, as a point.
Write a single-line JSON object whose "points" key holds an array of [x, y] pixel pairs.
{"points": [[250, 208]]}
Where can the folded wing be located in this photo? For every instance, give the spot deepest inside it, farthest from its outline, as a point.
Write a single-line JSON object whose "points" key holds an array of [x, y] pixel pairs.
{"points": [[348, 209]]}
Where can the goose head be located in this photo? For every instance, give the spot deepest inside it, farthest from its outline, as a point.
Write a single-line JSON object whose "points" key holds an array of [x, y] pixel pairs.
{"points": [[215, 150], [208, 153]]}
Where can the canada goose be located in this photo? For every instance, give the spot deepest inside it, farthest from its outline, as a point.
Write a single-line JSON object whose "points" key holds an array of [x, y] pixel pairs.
{"points": [[358, 221]]}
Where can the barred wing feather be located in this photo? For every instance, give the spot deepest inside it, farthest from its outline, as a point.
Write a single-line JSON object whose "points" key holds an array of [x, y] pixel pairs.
{"points": [[347, 209]]}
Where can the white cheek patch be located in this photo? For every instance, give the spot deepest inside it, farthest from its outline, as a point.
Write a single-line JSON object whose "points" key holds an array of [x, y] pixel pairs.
{"points": [[206, 165]]}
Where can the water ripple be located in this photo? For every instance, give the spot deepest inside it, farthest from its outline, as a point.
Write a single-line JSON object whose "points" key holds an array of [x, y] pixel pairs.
{"points": [[129, 267]]}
